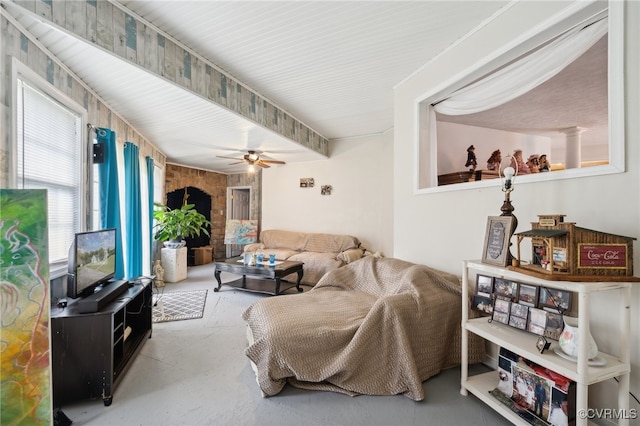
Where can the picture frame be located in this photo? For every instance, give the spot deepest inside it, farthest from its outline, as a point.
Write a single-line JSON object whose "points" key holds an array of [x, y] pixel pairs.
{"points": [[483, 304], [497, 240], [542, 344], [554, 326], [505, 288], [517, 322], [502, 305], [558, 300], [484, 285], [520, 311], [537, 322], [527, 294], [500, 317]]}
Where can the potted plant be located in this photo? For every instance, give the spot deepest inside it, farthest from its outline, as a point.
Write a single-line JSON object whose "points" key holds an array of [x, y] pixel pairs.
{"points": [[174, 225]]}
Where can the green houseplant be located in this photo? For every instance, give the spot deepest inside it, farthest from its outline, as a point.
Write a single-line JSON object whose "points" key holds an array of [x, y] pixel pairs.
{"points": [[174, 225]]}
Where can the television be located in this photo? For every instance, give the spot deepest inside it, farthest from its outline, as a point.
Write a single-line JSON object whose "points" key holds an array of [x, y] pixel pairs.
{"points": [[92, 262]]}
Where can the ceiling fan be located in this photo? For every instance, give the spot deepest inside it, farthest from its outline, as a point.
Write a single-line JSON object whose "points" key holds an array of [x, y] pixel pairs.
{"points": [[252, 158]]}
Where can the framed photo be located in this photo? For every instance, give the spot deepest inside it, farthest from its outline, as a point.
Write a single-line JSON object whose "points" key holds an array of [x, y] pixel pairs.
{"points": [[554, 326], [496, 240], [483, 304], [518, 322], [537, 321], [505, 288], [502, 305], [500, 317], [557, 300], [527, 294], [520, 311], [484, 285]]}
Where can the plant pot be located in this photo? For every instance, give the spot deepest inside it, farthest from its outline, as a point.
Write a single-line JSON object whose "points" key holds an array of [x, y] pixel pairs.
{"points": [[568, 341], [175, 244]]}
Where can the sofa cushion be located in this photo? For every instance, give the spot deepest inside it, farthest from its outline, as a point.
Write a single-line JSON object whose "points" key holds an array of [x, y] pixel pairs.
{"points": [[330, 243], [315, 265], [351, 255], [273, 238]]}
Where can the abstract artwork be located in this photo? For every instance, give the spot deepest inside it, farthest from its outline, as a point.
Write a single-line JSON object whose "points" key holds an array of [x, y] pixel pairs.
{"points": [[25, 369], [240, 231]]}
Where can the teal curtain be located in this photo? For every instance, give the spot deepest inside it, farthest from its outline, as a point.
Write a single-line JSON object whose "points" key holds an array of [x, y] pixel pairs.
{"points": [[109, 196], [150, 168], [133, 210]]}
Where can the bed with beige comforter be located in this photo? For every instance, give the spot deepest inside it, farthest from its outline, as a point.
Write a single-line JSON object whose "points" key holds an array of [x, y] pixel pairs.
{"points": [[377, 326]]}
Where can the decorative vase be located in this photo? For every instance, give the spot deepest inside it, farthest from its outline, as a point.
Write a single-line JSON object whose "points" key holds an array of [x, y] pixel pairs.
{"points": [[569, 339]]}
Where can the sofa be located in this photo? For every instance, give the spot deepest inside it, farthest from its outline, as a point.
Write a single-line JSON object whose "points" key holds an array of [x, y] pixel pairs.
{"points": [[377, 326], [320, 252]]}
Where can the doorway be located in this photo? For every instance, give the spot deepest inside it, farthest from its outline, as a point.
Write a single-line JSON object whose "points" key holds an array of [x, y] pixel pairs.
{"points": [[238, 207]]}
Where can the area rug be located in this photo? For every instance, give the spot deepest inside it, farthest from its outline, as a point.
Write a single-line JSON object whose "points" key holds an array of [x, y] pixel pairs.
{"points": [[179, 305]]}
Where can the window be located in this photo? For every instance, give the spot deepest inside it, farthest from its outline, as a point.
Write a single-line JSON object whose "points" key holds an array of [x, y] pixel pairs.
{"points": [[49, 155], [589, 143]]}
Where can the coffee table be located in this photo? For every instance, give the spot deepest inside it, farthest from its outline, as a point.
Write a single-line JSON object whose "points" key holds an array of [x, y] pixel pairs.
{"points": [[256, 278]]}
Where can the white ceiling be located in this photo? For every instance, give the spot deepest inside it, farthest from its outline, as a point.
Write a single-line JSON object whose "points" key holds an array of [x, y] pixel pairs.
{"points": [[330, 64]]}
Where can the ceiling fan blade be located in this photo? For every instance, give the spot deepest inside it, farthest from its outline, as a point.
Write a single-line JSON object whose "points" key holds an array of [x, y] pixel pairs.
{"points": [[230, 158], [273, 161], [262, 164]]}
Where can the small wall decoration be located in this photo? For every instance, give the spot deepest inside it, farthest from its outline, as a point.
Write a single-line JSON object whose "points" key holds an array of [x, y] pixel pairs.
{"points": [[496, 241], [307, 182], [326, 190]]}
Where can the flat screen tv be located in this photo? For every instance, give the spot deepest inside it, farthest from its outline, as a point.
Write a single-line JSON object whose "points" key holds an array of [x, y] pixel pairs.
{"points": [[92, 262]]}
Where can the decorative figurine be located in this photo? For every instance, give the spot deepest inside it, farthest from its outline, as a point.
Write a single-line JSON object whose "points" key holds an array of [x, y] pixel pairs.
{"points": [[532, 163], [493, 163], [158, 271], [543, 164], [471, 158], [518, 163]]}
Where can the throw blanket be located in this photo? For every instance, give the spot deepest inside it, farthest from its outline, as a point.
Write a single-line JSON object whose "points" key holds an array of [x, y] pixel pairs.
{"points": [[375, 326]]}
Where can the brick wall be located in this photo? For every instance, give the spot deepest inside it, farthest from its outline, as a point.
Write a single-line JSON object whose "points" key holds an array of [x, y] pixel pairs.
{"points": [[214, 184]]}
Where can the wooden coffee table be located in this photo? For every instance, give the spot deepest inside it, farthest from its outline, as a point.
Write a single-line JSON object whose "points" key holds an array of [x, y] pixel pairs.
{"points": [[256, 278]]}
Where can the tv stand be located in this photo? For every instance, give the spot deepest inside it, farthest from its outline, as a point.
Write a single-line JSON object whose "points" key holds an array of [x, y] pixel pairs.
{"points": [[98, 300], [91, 352]]}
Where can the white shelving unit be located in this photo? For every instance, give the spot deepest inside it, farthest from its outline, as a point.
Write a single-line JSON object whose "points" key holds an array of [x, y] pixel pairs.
{"points": [[524, 343]]}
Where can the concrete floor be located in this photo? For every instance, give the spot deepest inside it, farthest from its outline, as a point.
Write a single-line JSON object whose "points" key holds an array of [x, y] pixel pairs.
{"points": [[194, 372]]}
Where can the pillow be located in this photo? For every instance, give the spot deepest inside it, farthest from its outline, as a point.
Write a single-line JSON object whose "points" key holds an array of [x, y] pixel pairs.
{"points": [[253, 247], [350, 255]]}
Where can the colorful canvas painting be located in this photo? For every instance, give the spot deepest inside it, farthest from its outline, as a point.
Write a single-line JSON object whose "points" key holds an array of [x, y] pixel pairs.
{"points": [[241, 231], [25, 373]]}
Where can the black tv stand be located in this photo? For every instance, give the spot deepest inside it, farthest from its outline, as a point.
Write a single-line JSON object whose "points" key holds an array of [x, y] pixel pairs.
{"points": [[91, 352], [100, 299]]}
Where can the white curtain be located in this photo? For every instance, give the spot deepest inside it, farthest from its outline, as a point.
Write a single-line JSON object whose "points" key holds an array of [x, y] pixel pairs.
{"points": [[522, 76]]}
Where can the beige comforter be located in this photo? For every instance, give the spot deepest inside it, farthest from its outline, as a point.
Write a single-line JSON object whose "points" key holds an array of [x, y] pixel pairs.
{"points": [[374, 326]]}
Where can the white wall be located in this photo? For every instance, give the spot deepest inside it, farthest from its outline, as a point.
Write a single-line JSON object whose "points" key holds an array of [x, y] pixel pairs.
{"points": [[360, 170], [441, 229]]}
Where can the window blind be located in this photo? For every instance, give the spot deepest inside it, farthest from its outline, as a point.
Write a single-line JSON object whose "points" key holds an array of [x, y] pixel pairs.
{"points": [[49, 156]]}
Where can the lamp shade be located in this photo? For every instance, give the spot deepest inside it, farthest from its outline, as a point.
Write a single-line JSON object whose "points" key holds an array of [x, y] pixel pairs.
{"points": [[241, 231]]}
